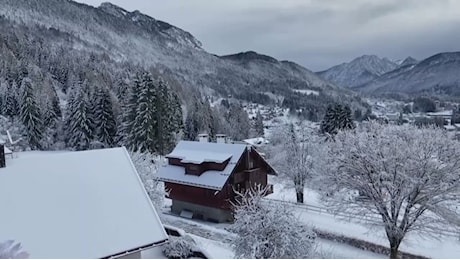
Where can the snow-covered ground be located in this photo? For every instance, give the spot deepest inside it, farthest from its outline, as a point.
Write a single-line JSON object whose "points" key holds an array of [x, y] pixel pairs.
{"points": [[214, 240], [434, 247], [306, 91]]}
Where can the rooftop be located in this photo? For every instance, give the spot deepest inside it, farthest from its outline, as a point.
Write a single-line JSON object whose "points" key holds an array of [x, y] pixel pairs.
{"points": [[88, 204], [200, 152]]}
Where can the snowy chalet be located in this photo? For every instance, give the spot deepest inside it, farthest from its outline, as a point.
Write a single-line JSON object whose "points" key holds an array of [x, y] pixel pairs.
{"points": [[201, 177]]}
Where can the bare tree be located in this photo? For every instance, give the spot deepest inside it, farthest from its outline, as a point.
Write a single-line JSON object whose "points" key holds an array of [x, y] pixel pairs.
{"points": [[406, 177], [266, 231], [297, 157], [147, 166], [12, 250]]}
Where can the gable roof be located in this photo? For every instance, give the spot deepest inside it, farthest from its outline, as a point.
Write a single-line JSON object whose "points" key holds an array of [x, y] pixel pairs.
{"points": [[88, 204], [201, 151]]}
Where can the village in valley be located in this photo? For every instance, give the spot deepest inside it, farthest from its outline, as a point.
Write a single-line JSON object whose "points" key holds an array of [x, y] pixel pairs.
{"points": [[125, 137]]}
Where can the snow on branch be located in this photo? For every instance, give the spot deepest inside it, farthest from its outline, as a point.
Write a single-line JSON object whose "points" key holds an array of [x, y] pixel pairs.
{"points": [[12, 250]]}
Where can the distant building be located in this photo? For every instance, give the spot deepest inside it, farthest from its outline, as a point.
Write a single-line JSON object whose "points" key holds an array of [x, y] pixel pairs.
{"points": [[202, 177], [88, 204]]}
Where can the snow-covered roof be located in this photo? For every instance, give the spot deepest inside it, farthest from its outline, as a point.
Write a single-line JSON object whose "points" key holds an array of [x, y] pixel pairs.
{"points": [[450, 127], [256, 141], [191, 156], [88, 204], [212, 179], [440, 113]]}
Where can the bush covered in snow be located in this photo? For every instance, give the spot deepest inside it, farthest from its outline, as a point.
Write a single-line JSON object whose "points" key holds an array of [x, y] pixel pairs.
{"points": [[179, 247], [264, 231], [12, 250]]}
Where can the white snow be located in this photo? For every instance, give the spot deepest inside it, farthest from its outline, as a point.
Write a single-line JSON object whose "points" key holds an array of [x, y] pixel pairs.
{"points": [[191, 156], [212, 179], [257, 141], [434, 247], [214, 249], [306, 91], [446, 113], [6, 150], [87, 204]]}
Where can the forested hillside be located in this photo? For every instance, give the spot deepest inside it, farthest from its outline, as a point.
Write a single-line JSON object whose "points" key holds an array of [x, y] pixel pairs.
{"points": [[64, 63]]}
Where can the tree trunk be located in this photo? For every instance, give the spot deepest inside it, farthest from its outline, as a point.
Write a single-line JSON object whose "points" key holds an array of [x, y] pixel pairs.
{"points": [[394, 248], [299, 196]]}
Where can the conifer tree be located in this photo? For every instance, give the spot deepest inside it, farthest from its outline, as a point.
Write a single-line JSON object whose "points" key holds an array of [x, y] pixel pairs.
{"points": [[154, 116], [259, 124], [30, 115], [104, 118], [337, 118], [11, 100], [79, 134]]}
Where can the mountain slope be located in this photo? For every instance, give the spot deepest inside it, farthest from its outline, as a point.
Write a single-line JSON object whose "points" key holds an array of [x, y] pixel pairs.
{"points": [[359, 71], [137, 39], [438, 74]]}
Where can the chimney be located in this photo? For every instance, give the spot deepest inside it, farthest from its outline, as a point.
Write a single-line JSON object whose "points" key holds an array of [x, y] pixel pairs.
{"points": [[203, 138], [2, 156], [221, 139]]}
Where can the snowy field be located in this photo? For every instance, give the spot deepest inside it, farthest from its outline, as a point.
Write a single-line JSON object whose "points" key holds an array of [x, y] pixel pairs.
{"points": [[441, 247]]}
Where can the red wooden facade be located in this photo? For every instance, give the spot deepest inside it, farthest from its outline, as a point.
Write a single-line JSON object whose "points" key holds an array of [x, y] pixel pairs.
{"points": [[251, 169]]}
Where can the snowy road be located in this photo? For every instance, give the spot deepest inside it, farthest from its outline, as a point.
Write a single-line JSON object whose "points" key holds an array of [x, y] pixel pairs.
{"points": [[216, 240]]}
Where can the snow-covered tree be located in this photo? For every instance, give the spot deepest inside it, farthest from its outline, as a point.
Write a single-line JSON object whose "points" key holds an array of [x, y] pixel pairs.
{"points": [[11, 100], [12, 250], [238, 121], [406, 177], [78, 122], [297, 156], [337, 118], [147, 166], [104, 118], [30, 115], [259, 124], [179, 247], [265, 231], [154, 116]]}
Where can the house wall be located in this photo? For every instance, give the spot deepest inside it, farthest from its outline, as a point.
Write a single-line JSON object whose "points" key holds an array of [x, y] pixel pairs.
{"points": [[200, 196], [203, 212], [251, 170]]}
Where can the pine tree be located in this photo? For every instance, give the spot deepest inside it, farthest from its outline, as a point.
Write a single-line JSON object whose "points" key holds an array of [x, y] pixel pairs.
{"points": [[30, 115], [327, 125], [78, 123], [345, 118], [157, 118], [104, 118], [129, 115], [337, 118], [239, 122], [259, 124], [11, 100]]}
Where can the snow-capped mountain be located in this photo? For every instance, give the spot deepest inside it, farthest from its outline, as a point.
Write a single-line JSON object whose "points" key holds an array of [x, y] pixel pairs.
{"points": [[407, 61], [358, 71], [438, 74], [135, 38]]}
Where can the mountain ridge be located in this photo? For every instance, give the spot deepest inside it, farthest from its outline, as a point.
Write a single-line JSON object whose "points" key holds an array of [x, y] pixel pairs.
{"points": [[358, 71], [136, 38]]}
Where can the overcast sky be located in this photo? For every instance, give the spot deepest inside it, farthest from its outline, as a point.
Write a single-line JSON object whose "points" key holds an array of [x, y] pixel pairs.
{"points": [[315, 33]]}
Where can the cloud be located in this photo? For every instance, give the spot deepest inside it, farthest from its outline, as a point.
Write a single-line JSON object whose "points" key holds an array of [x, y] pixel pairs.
{"points": [[315, 33]]}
